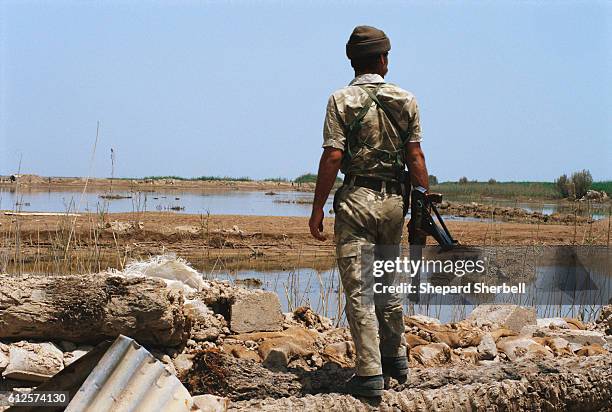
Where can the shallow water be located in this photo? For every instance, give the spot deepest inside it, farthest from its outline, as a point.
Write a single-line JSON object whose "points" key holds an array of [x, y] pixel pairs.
{"points": [[321, 290], [230, 202]]}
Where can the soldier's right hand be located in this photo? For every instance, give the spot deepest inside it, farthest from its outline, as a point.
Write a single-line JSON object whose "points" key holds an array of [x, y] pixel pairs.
{"points": [[316, 224]]}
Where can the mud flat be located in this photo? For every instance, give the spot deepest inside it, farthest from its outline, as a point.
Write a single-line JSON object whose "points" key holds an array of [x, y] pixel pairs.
{"points": [[93, 242], [236, 350]]}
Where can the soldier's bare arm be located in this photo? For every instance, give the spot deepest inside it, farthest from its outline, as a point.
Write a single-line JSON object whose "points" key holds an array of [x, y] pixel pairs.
{"points": [[329, 165], [415, 159]]}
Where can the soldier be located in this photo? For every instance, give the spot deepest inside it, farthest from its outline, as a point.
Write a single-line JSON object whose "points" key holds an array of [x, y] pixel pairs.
{"points": [[372, 133]]}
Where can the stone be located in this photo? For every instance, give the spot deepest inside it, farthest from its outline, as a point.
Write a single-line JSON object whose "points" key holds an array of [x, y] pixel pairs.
{"points": [[33, 362], [341, 353], [241, 352], [431, 355], [256, 311], [210, 403], [460, 338], [413, 340], [554, 322], [425, 319], [306, 316], [591, 350], [487, 350], [519, 347], [183, 363], [470, 355], [295, 342], [512, 317], [604, 321], [575, 323], [559, 346], [581, 337]]}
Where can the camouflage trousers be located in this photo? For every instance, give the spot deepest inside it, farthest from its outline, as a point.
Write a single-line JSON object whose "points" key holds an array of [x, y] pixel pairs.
{"points": [[364, 220]]}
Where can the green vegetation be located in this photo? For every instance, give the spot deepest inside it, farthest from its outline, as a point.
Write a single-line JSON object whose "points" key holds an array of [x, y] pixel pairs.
{"points": [[433, 180], [467, 189], [311, 178], [306, 178], [576, 186], [214, 178], [605, 186]]}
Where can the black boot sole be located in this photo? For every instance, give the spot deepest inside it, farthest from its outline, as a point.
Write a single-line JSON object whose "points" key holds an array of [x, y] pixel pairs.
{"points": [[366, 393]]}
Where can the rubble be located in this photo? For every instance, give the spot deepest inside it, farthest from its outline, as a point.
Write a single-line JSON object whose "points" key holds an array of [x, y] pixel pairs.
{"points": [[581, 337], [509, 316], [210, 403], [431, 355], [238, 351], [517, 347], [256, 311], [487, 350], [33, 362]]}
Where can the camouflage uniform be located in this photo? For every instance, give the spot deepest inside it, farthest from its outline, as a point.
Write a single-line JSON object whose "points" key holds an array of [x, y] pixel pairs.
{"points": [[365, 217]]}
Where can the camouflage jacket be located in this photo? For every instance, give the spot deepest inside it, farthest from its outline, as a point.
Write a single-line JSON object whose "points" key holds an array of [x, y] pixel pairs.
{"points": [[376, 129]]}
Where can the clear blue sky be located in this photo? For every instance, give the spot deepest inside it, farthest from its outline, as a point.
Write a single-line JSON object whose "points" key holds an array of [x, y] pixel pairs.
{"points": [[510, 90]]}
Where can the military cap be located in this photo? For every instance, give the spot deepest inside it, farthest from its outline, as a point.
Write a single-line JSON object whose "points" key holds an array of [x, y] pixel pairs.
{"points": [[367, 41]]}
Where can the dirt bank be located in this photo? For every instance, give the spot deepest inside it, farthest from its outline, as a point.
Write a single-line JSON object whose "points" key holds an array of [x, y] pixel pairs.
{"points": [[227, 242], [33, 182]]}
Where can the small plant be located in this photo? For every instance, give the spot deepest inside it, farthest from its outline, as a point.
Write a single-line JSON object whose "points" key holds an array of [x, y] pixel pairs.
{"points": [[562, 184], [576, 186], [582, 182], [463, 180]]}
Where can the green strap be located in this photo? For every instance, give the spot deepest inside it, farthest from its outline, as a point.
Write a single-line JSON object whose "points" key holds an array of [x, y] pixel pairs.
{"points": [[355, 125], [404, 135]]}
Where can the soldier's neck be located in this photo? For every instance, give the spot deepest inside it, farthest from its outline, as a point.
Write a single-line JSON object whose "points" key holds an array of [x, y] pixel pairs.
{"points": [[359, 73]]}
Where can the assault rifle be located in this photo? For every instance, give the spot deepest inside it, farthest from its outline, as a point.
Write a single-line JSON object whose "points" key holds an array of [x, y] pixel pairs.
{"points": [[422, 223]]}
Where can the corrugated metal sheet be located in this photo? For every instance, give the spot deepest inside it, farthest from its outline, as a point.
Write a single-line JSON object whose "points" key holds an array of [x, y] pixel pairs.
{"points": [[129, 378]]}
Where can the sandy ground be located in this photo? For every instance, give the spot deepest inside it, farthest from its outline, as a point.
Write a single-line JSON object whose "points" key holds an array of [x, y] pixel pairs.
{"points": [[256, 242]]}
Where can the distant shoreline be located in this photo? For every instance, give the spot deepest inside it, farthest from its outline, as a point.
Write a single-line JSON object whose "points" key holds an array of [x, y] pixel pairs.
{"points": [[468, 191]]}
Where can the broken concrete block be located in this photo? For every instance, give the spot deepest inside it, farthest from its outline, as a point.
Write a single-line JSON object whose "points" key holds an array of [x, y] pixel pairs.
{"points": [[592, 350], [512, 317], [487, 350], [34, 362], [256, 311], [552, 323], [518, 347], [577, 336], [559, 346], [210, 403], [432, 355], [425, 319]]}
